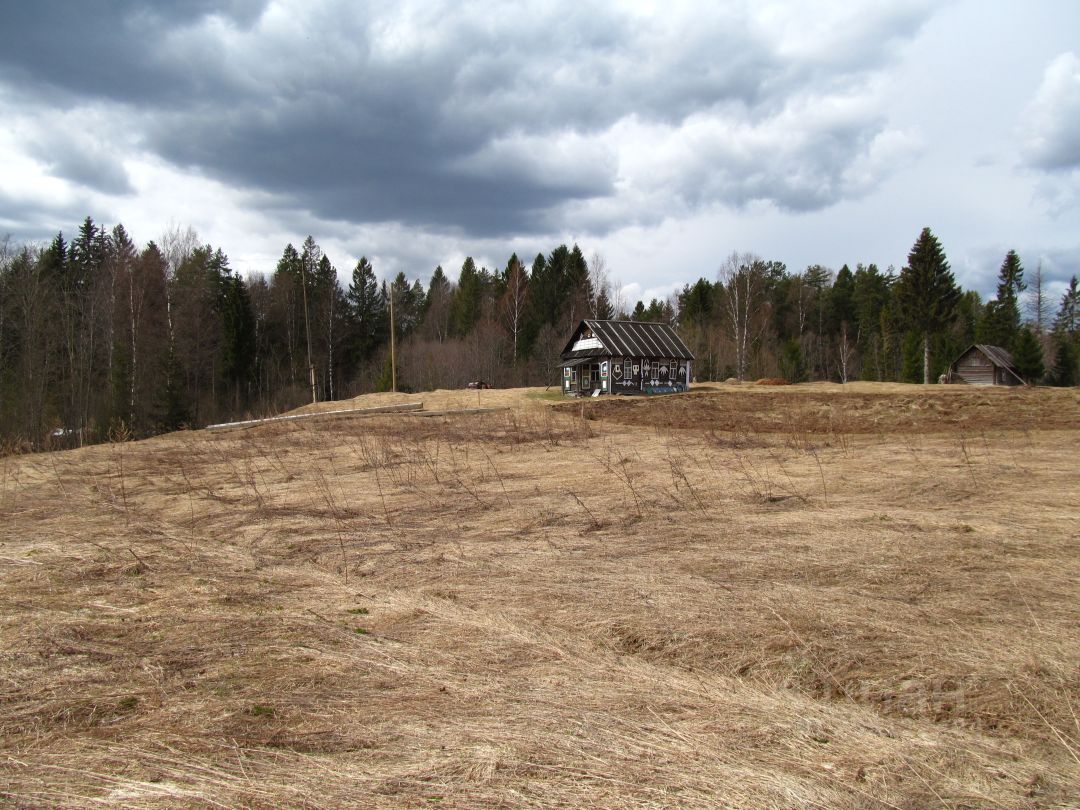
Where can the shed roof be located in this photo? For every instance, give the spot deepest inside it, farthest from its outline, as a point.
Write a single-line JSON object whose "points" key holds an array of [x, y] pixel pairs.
{"points": [[998, 356], [995, 354], [629, 339]]}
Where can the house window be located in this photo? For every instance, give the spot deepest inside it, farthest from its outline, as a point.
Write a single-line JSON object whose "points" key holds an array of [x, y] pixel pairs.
{"points": [[573, 375], [655, 369], [628, 368]]}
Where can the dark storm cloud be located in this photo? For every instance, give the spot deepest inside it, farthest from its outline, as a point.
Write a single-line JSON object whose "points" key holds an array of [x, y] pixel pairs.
{"points": [[34, 222], [484, 119], [81, 161], [109, 48]]}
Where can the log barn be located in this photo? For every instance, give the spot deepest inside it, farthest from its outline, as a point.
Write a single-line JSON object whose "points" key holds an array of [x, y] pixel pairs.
{"points": [[982, 364], [625, 357]]}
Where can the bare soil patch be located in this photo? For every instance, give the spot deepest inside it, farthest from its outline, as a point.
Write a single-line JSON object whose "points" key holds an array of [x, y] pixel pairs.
{"points": [[817, 409]]}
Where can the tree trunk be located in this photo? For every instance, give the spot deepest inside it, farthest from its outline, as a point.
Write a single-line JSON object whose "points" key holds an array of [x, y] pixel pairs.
{"points": [[926, 358]]}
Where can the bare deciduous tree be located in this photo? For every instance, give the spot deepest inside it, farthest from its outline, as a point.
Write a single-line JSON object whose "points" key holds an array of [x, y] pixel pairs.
{"points": [[742, 277], [176, 245], [601, 306], [1039, 308], [514, 300]]}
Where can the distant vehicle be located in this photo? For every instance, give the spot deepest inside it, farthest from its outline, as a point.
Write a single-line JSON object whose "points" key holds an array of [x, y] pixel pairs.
{"points": [[478, 384], [62, 432]]}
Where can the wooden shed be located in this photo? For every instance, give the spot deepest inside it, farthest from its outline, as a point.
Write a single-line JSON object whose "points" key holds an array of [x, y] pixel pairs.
{"points": [[982, 364], [625, 357]]}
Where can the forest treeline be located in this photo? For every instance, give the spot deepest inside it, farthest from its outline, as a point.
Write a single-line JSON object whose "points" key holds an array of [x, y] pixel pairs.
{"points": [[99, 337]]}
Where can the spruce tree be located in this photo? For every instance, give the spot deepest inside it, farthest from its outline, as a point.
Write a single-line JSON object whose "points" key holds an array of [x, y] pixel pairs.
{"points": [[465, 308], [1067, 321], [436, 317], [1066, 365], [1028, 357], [927, 293], [841, 300], [367, 310], [1067, 338], [1001, 325], [238, 349]]}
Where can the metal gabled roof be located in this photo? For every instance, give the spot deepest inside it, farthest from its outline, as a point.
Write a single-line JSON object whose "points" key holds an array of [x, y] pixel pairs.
{"points": [[631, 339]]}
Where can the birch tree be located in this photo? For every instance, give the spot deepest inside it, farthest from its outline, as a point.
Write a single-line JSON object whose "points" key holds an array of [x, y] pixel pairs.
{"points": [[514, 299], [742, 278], [176, 245]]}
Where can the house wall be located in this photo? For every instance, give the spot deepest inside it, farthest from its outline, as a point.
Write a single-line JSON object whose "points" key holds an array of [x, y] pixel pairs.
{"points": [[588, 377], [632, 375]]}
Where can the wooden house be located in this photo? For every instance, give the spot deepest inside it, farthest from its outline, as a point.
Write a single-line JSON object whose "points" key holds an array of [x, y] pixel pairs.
{"points": [[984, 365], [625, 357]]}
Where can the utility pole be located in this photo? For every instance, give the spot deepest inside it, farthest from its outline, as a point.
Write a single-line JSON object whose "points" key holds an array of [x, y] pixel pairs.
{"points": [[393, 359], [307, 329]]}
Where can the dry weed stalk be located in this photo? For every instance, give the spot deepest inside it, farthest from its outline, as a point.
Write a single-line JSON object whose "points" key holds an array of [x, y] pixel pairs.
{"points": [[618, 465], [595, 523]]}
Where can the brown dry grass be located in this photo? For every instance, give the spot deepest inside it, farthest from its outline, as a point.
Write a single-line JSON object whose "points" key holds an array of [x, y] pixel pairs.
{"points": [[527, 609]]}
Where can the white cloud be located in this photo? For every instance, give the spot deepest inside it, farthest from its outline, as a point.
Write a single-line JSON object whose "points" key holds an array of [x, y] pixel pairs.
{"points": [[1052, 121]]}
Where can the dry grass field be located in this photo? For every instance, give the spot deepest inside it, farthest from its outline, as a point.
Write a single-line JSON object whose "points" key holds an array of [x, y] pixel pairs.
{"points": [[860, 596]]}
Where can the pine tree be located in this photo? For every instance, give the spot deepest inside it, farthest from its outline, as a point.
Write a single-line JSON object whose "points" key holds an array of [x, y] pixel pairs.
{"points": [[927, 292]]}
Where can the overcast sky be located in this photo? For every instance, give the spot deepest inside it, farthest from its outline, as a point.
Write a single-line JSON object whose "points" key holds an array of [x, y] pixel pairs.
{"points": [[662, 136]]}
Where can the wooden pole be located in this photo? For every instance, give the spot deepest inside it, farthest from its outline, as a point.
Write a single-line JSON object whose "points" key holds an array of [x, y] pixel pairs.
{"points": [[393, 359], [307, 329]]}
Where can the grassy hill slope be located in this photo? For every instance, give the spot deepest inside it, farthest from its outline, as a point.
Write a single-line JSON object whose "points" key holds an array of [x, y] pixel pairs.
{"points": [[845, 597]]}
